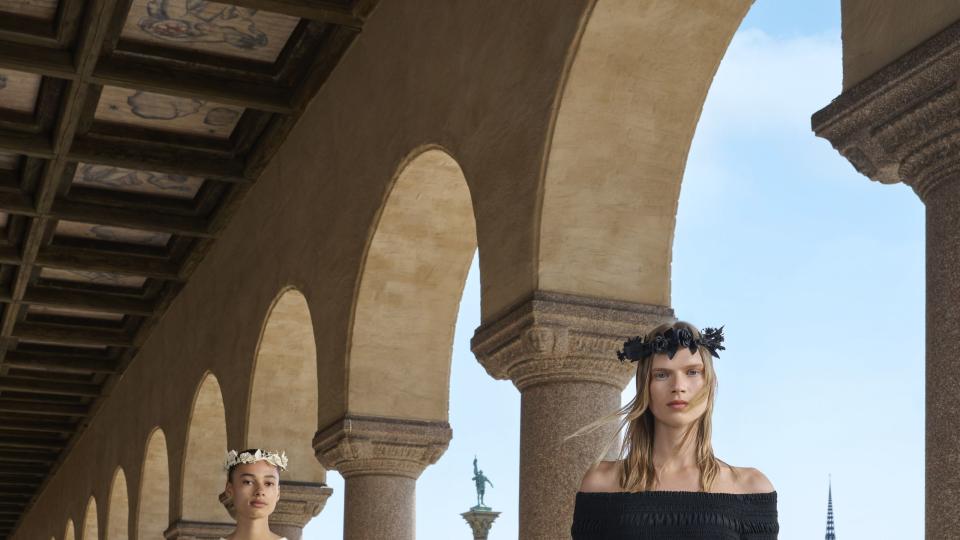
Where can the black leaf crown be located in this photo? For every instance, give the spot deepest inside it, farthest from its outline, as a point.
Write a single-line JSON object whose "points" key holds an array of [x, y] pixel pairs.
{"points": [[670, 341]]}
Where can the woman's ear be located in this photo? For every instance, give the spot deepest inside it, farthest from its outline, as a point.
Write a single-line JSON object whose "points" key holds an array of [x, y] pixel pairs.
{"points": [[228, 489]]}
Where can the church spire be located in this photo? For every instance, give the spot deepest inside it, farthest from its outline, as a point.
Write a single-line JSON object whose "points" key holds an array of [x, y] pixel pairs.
{"points": [[830, 535]]}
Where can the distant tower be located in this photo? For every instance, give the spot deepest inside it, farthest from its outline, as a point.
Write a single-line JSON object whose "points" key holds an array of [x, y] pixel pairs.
{"points": [[830, 535]]}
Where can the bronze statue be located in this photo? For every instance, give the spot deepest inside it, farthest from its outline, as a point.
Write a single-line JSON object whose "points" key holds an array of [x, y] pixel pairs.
{"points": [[481, 482]]}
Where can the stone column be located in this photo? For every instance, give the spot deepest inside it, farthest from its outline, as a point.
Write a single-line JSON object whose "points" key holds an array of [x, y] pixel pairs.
{"points": [[902, 125], [299, 503], [560, 352], [380, 460], [197, 530]]}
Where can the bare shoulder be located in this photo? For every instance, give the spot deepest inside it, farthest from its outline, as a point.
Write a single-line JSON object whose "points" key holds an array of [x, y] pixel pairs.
{"points": [[751, 480], [602, 477]]}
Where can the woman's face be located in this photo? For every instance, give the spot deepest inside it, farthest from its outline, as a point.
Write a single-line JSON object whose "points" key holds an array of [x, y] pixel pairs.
{"points": [[254, 489], [673, 382]]}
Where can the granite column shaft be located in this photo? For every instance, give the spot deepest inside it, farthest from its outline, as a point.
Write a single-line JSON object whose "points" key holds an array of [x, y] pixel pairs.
{"points": [[901, 125], [943, 366], [380, 460], [559, 350]]}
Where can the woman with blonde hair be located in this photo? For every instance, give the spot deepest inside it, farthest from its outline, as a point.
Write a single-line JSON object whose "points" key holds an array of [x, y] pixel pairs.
{"points": [[667, 483]]}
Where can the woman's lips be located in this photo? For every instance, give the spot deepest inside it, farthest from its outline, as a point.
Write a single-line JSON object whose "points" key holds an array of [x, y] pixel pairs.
{"points": [[677, 404], [258, 504]]}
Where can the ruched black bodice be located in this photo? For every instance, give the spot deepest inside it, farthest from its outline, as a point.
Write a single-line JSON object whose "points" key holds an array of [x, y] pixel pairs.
{"points": [[674, 515]]}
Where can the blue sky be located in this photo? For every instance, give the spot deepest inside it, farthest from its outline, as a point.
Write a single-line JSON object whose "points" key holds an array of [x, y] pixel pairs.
{"points": [[818, 275]]}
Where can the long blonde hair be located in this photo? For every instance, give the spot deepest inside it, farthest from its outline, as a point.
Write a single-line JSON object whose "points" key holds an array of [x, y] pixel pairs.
{"points": [[636, 471]]}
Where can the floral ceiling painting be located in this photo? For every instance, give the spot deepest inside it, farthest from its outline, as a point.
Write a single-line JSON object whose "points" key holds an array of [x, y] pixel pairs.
{"points": [[210, 27]]}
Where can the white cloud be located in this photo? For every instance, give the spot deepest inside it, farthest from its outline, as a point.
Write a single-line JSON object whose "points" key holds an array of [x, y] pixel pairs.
{"points": [[763, 95], [771, 84]]}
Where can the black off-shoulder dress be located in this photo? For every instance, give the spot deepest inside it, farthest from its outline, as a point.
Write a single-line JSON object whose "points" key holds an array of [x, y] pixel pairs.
{"points": [[674, 515]]}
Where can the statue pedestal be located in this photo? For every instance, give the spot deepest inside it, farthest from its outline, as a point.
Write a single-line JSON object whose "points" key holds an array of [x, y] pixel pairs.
{"points": [[480, 519]]}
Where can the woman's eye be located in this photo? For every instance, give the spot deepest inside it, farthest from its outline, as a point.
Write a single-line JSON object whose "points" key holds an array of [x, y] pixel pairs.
{"points": [[246, 482], [269, 483], [660, 375], [693, 372]]}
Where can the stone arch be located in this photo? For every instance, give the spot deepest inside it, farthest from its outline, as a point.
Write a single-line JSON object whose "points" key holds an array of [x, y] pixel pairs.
{"points": [[153, 512], [68, 533], [90, 528], [203, 476], [413, 275], [635, 84], [118, 508], [283, 396]]}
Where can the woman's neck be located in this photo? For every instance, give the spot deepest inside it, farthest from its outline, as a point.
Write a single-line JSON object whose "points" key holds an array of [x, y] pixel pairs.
{"points": [[670, 452], [253, 529]]}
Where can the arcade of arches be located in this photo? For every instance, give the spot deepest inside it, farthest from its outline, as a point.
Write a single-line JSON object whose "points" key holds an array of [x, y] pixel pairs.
{"points": [[550, 136]]}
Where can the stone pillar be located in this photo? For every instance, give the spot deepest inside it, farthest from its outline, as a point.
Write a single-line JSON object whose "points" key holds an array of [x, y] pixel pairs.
{"points": [[380, 460], [560, 352], [902, 125], [197, 530], [299, 503], [480, 521]]}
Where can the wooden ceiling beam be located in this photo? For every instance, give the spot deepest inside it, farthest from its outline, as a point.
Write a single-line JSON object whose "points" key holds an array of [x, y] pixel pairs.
{"points": [[31, 470], [58, 363], [56, 388], [44, 408], [33, 59], [37, 426], [157, 158], [66, 335], [88, 301], [325, 11], [160, 79], [134, 265], [89, 43], [128, 218], [10, 255], [25, 443], [17, 202], [26, 143]]}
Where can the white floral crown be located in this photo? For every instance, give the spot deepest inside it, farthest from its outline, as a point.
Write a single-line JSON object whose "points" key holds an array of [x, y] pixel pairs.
{"points": [[274, 458]]}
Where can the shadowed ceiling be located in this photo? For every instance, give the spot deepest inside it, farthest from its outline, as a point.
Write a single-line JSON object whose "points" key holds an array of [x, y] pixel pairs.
{"points": [[129, 131]]}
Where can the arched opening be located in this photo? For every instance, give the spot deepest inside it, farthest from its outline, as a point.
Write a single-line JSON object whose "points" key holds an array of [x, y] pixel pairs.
{"points": [[283, 399], [153, 514], [626, 116], [203, 476], [90, 529], [118, 509], [410, 289]]}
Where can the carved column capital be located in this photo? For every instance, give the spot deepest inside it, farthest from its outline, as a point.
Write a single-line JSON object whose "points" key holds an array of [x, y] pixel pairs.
{"points": [[480, 522], [554, 337], [902, 123], [359, 445], [197, 530]]}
